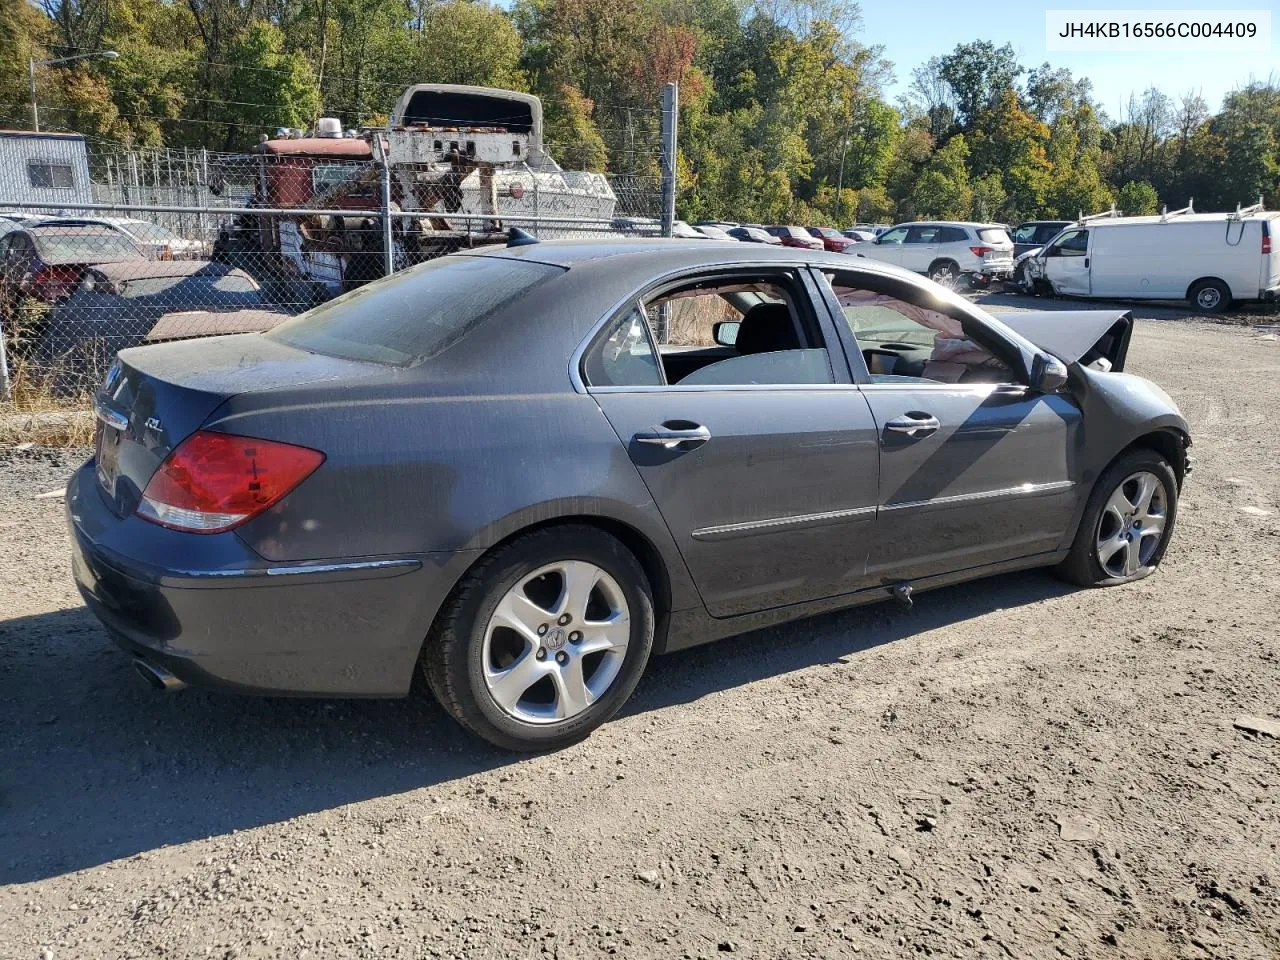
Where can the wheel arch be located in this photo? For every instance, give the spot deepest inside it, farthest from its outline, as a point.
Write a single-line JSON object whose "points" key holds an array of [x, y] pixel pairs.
{"points": [[1170, 443], [642, 547]]}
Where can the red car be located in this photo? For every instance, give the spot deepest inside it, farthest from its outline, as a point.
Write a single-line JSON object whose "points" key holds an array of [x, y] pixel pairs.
{"points": [[832, 240], [794, 237], [45, 261]]}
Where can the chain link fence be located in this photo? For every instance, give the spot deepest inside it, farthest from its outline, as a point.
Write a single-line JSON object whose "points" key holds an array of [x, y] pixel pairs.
{"points": [[105, 249]]}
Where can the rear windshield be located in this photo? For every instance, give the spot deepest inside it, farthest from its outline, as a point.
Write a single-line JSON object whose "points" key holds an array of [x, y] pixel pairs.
{"points": [[86, 247], [415, 314], [994, 235]]}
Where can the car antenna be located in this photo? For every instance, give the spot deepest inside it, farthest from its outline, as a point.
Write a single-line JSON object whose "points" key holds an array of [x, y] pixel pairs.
{"points": [[519, 238]]}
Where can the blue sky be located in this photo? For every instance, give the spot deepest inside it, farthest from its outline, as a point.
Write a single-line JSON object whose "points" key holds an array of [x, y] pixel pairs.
{"points": [[912, 31]]}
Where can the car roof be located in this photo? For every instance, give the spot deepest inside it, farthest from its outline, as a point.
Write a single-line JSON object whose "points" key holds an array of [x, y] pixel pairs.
{"points": [[651, 255], [975, 224]]}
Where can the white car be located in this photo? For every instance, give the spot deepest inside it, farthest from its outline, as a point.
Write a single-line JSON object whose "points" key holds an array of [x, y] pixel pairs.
{"points": [[945, 251], [161, 243]]}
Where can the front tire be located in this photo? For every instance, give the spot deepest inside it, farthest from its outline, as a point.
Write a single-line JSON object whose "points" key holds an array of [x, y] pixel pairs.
{"points": [[1127, 523], [544, 640]]}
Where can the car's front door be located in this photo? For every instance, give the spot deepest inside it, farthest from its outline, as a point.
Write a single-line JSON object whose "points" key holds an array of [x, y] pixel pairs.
{"points": [[1066, 263], [763, 463], [888, 246], [974, 468]]}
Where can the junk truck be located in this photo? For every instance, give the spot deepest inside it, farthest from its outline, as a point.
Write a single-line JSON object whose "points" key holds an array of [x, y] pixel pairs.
{"points": [[449, 150]]}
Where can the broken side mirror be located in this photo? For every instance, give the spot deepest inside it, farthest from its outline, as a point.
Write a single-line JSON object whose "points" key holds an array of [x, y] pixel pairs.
{"points": [[725, 332], [1048, 374]]}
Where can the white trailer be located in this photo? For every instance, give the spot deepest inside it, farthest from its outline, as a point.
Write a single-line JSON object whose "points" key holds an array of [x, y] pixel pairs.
{"points": [[45, 167], [1210, 259]]}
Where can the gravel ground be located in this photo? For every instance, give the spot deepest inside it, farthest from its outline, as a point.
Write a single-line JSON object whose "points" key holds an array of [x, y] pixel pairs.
{"points": [[1013, 769]]}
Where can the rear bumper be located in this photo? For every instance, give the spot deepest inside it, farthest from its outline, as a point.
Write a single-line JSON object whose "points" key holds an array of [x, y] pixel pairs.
{"points": [[226, 618]]}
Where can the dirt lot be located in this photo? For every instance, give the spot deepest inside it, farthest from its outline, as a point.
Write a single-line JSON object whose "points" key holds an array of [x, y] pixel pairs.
{"points": [[1013, 769]]}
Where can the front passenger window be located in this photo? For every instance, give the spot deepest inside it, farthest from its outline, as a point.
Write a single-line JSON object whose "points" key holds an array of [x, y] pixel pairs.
{"points": [[902, 341]]}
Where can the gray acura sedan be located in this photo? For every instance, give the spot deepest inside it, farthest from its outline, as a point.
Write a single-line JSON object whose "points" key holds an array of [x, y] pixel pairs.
{"points": [[524, 470]]}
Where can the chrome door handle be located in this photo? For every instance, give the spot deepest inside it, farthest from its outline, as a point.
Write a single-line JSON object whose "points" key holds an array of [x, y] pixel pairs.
{"points": [[672, 437], [910, 424]]}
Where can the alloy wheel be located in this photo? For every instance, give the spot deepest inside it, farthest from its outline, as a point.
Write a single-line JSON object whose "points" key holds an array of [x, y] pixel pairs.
{"points": [[944, 276], [1132, 525], [556, 642]]}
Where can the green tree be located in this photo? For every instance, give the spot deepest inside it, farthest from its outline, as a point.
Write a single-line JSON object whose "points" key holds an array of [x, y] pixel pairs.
{"points": [[943, 190], [978, 73], [1136, 199]]}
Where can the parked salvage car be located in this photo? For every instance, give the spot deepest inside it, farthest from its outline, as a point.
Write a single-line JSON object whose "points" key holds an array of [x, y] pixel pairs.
{"points": [[494, 468], [712, 232], [945, 251], [795, 237], [832, 239], [1210, 259], [44, 261], [125, 304], [160, 242], [1036, 233], [754, 235]]}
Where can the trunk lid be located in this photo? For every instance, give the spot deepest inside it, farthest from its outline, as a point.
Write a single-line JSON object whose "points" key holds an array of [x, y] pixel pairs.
{"points": [[155, 397]]}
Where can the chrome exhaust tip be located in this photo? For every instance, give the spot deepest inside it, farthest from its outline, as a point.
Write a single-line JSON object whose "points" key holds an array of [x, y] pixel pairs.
{"points": [[157, 676]]}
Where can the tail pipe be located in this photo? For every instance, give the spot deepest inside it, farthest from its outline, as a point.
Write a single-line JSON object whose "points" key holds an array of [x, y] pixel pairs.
{"points": [[157, 676]]}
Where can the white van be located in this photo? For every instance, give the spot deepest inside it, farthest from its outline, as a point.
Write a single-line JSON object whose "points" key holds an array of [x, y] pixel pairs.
{"points": [[1210, 259]]}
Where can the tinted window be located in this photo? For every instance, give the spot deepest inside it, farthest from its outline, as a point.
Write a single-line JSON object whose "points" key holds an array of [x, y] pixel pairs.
{"points": [[922, 235], [623, 356], [994, 235], [415, 314], [1047, 231], [50, 176], [952, 235]]}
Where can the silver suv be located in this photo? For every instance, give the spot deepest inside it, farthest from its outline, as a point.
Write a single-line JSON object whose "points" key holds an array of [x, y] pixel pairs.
{"points": [[945, 251]]}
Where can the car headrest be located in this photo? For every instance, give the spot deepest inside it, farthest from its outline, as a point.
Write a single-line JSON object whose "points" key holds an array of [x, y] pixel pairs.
{"points": [[767, 327]]}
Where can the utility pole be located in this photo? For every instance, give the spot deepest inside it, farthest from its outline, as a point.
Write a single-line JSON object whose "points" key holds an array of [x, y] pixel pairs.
{"points": [[670, 107], [32, 63]]}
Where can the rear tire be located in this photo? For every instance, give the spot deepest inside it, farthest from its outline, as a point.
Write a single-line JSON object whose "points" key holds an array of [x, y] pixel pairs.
{"points": [[1118, 540], [525, 656], [944, 272], [1209, 296]]}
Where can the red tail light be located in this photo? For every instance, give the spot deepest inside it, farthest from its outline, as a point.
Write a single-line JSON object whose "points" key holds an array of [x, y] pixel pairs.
{"points": [[981, 251], [1266, 244], [216, 481], [54, 282]]}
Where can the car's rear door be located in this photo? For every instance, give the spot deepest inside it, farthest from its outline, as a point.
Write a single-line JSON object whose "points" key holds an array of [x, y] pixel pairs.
{"points": [[764, 465], [920, 248], [971, 473]]}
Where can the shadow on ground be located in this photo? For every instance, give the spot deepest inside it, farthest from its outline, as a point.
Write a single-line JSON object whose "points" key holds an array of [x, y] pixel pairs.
{"points": [[94, 766]]}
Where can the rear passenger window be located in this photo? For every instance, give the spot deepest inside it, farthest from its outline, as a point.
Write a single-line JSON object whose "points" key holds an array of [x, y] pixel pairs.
{"points": [[726, 330], [623, 356]]}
